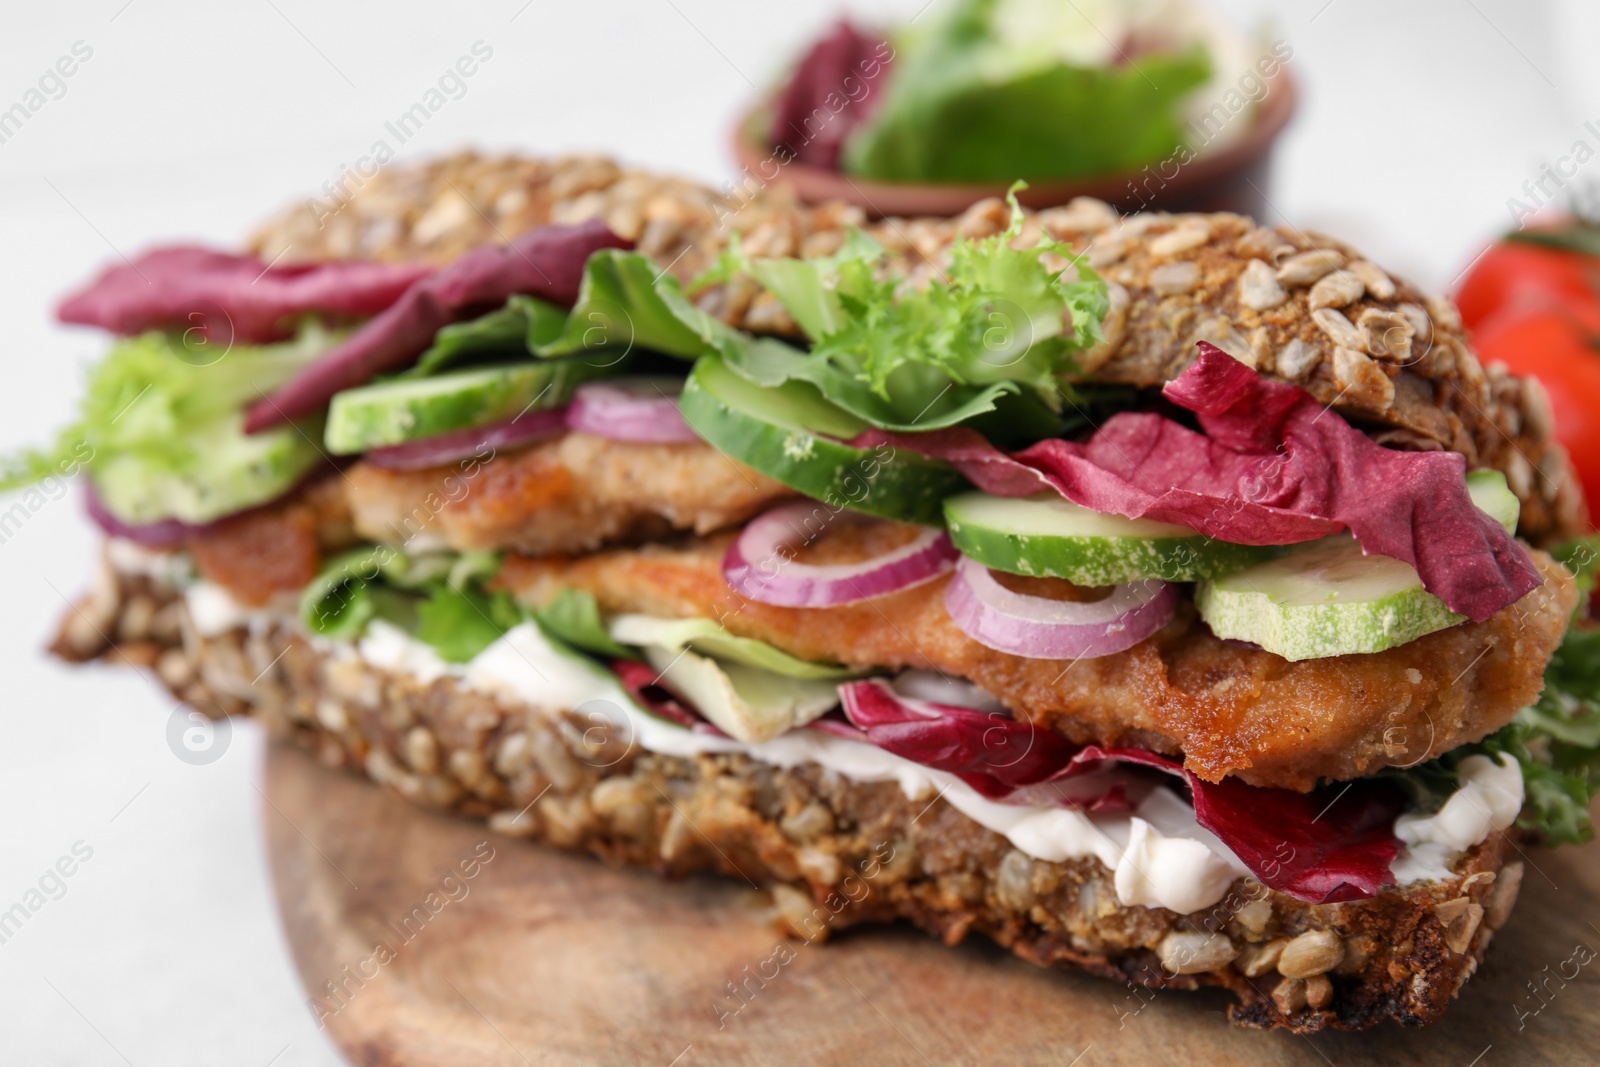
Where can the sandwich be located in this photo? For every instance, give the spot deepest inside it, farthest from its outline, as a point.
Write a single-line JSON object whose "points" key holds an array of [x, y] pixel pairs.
{"points": [[1166, 596]]}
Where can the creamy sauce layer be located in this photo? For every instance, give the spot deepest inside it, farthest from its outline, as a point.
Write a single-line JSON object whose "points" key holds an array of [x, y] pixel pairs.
{"points": [[1159, 854], [130, 557], [1486, 802]]}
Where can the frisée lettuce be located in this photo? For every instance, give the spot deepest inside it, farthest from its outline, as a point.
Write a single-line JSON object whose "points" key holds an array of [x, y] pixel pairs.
{"points": [[1556, 740], [997, 330], [996, 322], [161, 420]]}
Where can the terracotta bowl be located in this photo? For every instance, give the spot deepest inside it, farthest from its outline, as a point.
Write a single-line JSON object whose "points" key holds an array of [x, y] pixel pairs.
{"points": [[1234, 178]]}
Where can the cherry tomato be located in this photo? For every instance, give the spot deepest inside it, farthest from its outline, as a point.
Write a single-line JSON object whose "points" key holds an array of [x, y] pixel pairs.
{"points": [[1562, 352], [1522, 276]]}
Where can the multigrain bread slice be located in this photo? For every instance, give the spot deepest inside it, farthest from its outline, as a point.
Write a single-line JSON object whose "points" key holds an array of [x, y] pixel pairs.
{"points": [[815, 840], [1298, 306]]}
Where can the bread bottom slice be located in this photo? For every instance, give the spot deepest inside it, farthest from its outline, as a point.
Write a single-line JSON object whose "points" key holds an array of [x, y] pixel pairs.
{"points": [[832, 851]]}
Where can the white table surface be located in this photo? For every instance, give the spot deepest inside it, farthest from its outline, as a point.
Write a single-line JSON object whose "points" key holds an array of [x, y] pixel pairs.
{"points": [[193, 119]]}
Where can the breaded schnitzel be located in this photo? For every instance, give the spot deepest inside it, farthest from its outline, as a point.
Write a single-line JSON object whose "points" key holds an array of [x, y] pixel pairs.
{"points": [[571, 494], [1227, 707]]}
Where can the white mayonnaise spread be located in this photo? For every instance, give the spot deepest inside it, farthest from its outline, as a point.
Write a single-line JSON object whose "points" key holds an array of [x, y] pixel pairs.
{"points": [[1488, 800], [214, 611], [1159, 855], [1177, 865], [130, 557]]}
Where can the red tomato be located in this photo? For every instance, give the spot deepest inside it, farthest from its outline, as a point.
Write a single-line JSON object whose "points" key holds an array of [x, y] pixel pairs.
{"points": [[1528, 277], [1559, 350]]}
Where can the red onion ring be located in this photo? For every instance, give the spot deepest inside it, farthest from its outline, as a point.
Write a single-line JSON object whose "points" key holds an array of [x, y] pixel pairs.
{"points": [[168, 533], [756, 566], [631, 409], [1040, 628], [445, 448]]}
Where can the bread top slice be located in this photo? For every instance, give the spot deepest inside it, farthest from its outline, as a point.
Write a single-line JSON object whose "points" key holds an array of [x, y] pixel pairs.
{"points": [[1298, 306]]}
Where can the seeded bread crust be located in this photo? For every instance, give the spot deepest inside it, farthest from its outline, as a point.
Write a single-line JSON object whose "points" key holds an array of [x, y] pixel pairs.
{"points": [[1298, 306], [812, 838]]}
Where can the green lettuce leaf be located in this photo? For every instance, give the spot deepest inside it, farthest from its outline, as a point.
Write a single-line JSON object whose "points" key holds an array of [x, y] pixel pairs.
{"points": [[806, 287], [573, 618], [745, 702], [437, 597], [625, 302], [460, 623], [991, 342], [971, 101], [341, 599], [525, 324], [469, 568], [711, 638]]}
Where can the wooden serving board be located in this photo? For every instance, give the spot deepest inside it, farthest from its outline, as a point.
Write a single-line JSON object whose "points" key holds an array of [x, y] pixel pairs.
{"points": [[545, 958]]}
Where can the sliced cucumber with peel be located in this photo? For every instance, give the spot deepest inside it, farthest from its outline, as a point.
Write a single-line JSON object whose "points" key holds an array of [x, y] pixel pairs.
{"points": [[410, 409], [788, 433], [1490, 493], [229, 471], [1329, 598], [1325, 598], [1048, 536]]}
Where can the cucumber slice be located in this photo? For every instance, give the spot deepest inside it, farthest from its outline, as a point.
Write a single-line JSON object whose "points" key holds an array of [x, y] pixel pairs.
{"points": [[776, 431], [229, 471], [1489, 491], [1048, 536], [1324, 598], [394, 412]]}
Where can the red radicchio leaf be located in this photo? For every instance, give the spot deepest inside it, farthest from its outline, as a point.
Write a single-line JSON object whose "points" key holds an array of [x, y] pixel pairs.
{"points": [[1272, 467], [834, 89], [167, 533], [1333, 844], [547, 262], [948, 738], [232, 297], [990, 751], [838, 727]]}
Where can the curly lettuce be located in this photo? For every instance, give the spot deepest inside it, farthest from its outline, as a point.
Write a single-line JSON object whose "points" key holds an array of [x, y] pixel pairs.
{"points": [[990, 339], [1556, 740], [997, 329], [159, 428]]}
